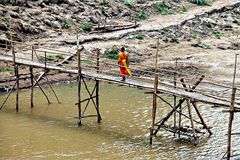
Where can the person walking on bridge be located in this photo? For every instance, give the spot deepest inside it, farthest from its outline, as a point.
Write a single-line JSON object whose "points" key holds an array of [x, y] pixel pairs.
{"points": [[123, 64]]}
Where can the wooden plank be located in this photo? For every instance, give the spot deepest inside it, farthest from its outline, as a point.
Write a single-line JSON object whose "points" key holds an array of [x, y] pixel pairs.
{"points": [[162, 87]]}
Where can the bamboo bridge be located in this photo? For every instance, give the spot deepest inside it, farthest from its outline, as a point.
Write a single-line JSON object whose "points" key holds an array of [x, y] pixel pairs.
{"points": [[186, 91]]}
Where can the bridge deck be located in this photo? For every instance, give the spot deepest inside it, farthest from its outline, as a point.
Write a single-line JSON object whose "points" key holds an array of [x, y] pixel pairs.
{"points": [[137, 83]]}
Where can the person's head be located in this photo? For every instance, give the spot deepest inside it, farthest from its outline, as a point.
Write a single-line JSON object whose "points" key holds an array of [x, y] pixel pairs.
{"points": [[122, 49]]}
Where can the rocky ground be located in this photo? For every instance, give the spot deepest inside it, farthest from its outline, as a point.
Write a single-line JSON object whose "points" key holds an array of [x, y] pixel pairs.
{"points": [[205, 44]]}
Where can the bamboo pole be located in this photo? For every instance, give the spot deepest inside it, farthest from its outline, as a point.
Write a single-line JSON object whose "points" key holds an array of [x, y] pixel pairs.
{"points": [[231, 113], [17, 89], [32, 85], [175, 97], [79, 87], [231, 116], [31, 79], [42, 90], [191, 119], [97, 87], [8, 95], [52, 89], [201, 118], [154, 106], [180, 119], [156, 58]]}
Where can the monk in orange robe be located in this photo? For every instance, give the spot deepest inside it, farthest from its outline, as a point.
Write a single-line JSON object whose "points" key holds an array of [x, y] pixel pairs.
{"points": [[123, 62]]}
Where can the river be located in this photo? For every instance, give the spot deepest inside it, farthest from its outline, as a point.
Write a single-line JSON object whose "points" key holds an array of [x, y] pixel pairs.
{"points": [[51, 131]]}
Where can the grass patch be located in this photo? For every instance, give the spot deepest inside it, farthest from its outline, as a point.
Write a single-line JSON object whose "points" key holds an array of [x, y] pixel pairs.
{"points": [[142, 15], [139, 36], [129, 2], [54, 58], [166, 29], [68, 23], [112, 53], [86, 26], [174, 39], [218, 34], [6, 69], [194, 35], [200, 2], [162, 8], [183, 9]]}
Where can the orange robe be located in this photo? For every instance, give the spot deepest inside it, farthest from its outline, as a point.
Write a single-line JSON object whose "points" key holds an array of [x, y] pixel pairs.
{"points": [[122, 59]]}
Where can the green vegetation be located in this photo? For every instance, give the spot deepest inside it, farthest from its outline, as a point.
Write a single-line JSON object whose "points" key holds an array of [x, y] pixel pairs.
{"points": [[129, 2], [139, 36], [166, 29], [86, 26], [54, 58], [175, 39], [112, 53], [200, 2], [218, 34], [162, 8], [68, 23], [142, 15], [183, 9], [6, 69], [194, 35]]}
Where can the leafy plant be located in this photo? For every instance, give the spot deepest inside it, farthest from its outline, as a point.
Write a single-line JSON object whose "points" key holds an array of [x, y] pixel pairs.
{"points": [[68, 23], [200, 2], [218, 34], [129, 2], [54, 58], [86, 26], [162, 8], [112, 53], [183, 9], [194, 35], [174, 39], [142, 15], [6, 69], [139, 36]]}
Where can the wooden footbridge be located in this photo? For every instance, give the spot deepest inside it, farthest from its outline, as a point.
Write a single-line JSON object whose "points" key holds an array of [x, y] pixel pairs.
{"points": [[187, 91]]}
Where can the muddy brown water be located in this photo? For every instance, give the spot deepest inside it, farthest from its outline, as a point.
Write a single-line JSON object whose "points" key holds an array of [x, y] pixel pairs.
{"points": [[51, 132]]}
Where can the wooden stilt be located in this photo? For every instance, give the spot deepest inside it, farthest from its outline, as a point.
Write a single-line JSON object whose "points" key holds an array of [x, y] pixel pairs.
{"points": [[231, 113], [201, 118], [52, 89], [79, 88], [191, 119], [175, 97], [42, 91], [169, 115], [180, 119], [32, 85], [31, 79], [97, 88], [154, 106], [17, 87], [8, 95], [231, 116]]}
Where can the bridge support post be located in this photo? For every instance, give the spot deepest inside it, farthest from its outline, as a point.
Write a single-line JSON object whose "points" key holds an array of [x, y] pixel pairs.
{"points": [[97, 88], [192, 131], [154, 108], [17, 89], [79, 88]]}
